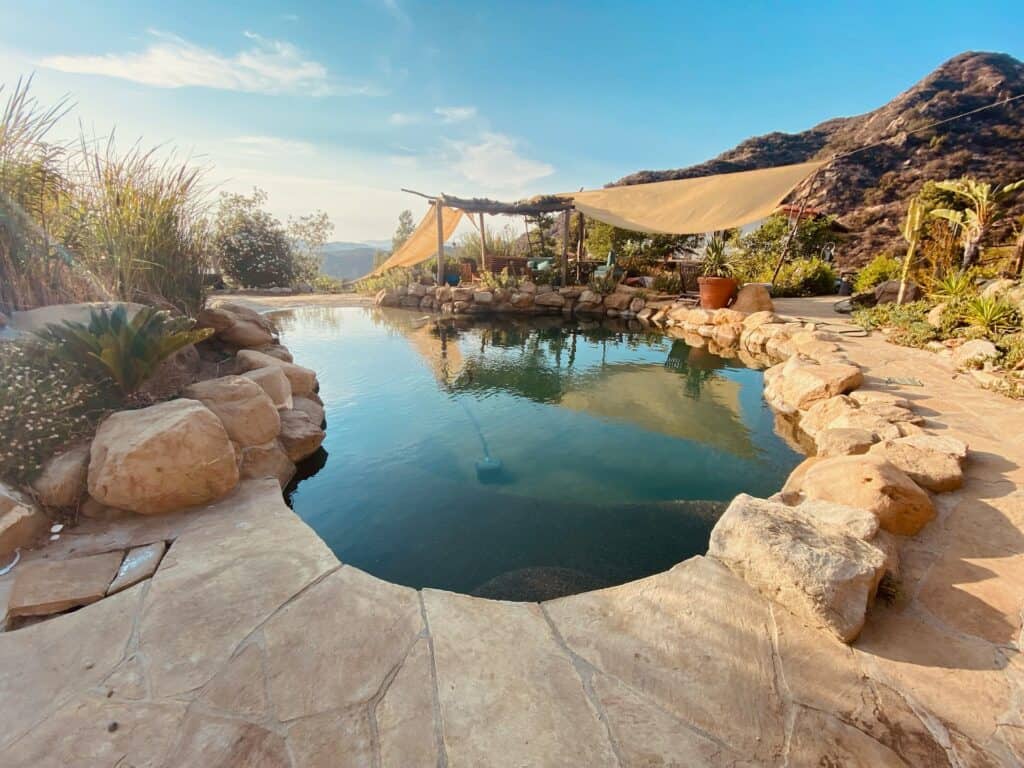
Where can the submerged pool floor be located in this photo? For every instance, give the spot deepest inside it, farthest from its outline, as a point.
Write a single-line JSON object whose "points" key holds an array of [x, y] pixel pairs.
{"points": [[617, 450]]}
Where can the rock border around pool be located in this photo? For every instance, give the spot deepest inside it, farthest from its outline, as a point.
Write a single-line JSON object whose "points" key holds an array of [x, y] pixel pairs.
{"points": [[872, 458]]}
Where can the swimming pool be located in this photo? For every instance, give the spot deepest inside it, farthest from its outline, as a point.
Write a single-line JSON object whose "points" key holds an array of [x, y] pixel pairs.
{"points": [[523, 459]]}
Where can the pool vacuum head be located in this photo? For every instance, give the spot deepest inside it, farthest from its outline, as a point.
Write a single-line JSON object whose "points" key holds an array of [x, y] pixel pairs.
{"points": [[487, 467]]}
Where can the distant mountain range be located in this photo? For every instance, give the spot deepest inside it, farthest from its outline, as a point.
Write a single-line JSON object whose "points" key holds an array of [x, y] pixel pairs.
{"points": [[869, 191], [348, 261]]}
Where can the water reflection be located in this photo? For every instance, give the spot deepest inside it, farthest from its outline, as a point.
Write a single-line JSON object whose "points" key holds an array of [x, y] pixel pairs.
{"points": [[617, 448]]}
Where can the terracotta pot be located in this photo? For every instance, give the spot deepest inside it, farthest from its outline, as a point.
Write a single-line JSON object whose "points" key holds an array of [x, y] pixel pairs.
{"points": [[716, 292]]}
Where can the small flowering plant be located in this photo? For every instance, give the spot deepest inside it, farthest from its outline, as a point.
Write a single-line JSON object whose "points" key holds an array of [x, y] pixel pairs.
{"points": [[45, 404]]}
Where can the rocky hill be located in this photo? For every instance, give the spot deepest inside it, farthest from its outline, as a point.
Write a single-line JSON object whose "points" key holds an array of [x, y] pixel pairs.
{"points": [[868, 190]]}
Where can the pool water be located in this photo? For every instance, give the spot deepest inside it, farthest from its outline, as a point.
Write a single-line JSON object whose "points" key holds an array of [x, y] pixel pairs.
{"points": [[523, 460]]}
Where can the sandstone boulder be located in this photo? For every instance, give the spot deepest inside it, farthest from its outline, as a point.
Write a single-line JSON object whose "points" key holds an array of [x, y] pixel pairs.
{"points": [[820, 414], [61, 483], [268, 460], [550, 299], [938, 444], [302, 380], [937, 471], [867, 482], [759, 318], [246, 410], [237, 325], [753, 298], [311, 408], [818, 572], [590, 297], [728, 317], [273, 381], [483, 297], [22, 523], [463, 294], [618, 300], [161, 458], [880, 428], [974, 354], [802, 385], [278, 351], [888, 292], [299, 437], [843, 441]]}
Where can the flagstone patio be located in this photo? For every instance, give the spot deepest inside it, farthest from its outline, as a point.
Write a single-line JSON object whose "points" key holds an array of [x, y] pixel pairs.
{"points": [[251, 645]]}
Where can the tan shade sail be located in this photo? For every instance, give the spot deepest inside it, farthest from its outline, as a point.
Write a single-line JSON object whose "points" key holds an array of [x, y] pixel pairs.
{"points": [[422, 244], [694, 206]]}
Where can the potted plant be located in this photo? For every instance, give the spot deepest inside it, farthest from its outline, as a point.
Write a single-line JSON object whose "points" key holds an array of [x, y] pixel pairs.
{"points": [[717, 286]]}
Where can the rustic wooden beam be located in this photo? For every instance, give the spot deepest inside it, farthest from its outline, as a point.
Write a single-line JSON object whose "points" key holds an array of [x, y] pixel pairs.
{"points": [[483, 243], [565, 248], [440, 241]]}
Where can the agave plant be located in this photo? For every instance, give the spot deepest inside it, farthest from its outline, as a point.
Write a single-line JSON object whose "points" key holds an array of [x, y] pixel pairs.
{"points": [[127, 352], [953, 286], [993, 316]]}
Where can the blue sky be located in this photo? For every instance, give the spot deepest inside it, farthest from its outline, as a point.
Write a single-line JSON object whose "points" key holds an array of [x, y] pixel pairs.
{"points": [[338, 105]]}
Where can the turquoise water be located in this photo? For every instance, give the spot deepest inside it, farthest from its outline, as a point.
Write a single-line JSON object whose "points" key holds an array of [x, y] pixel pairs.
{"points": [[616, 449]]}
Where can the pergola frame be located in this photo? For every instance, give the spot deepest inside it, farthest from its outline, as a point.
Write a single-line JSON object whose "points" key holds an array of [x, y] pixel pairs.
{"points": [[481, 205]]}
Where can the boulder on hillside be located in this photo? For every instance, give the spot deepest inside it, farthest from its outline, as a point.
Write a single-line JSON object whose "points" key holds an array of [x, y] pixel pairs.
{"points": [[299, 437], [866, 482], [247, 412], [302, 380], [889, 291], [161, 458], [815, 569], [753, 297], [273, 381], [61, 483], [974, 354]]}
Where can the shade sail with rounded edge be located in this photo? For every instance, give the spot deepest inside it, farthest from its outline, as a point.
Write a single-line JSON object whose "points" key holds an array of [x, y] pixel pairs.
{"points": [[422, 243], [694, 206]]}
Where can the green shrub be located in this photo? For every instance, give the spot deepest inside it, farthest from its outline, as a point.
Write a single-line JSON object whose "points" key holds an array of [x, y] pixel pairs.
{"points": [[327, 284], [503, 279], [881, 268], [953, 286], [908, 322], [603, 285], [668, 282], [805, 277], [251, 246], [122, 351], [394, 278], [45, 404]]}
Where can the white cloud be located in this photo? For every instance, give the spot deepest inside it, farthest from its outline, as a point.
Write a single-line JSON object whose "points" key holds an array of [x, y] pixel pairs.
{"points": [[405, 118], [455, 114], [271, 146], [495, 163], [267, 66]]}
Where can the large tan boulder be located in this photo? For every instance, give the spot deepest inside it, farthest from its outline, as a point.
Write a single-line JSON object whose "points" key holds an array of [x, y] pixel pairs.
{"points": [[61, 483], [974, 354], [866, 482], [237, 325], [22, 523], [299, 437], [161, 458], [814, 568], [552, 299], [268, 460], [843, 441], [247, 412], [802, 383], [302, 380], [618, 301], [273, 381], [936, 470], [820, 415], [311, 408], [753, 298]]}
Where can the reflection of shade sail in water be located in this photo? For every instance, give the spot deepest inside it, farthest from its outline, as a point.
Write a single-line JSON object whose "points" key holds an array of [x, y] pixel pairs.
{"points": [[649, 396]]}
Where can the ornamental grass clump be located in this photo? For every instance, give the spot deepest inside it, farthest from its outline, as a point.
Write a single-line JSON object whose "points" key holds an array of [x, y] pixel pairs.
{"points": [[45, 404]]}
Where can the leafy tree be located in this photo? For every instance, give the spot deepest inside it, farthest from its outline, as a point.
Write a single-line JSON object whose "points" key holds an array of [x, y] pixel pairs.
{"points": [[601, 237], [406, 227], [759, 251], [308, 235], [983, 209], [250, 244]]}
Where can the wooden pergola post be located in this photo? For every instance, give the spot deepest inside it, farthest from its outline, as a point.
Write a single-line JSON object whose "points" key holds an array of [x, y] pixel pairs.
{"points": [[565, 248], [440, 242], [581, 224], [483, 243]]}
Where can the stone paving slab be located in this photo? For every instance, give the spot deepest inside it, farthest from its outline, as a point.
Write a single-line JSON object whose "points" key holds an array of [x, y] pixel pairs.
{"points": [[253, 645]]}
